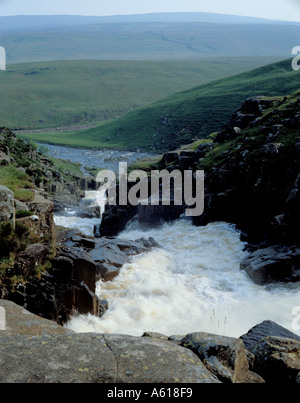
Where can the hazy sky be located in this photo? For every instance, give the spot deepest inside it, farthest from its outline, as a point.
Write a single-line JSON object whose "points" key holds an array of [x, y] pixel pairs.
{"points": [[273, 9]]}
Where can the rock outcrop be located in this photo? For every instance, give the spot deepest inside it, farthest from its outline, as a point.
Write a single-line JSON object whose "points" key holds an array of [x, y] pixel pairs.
{"points": [[7, 209]]}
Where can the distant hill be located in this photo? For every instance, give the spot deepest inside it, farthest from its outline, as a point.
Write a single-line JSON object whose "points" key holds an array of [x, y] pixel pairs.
{"points": [[46, 22], [144, 37], [185, 116]]}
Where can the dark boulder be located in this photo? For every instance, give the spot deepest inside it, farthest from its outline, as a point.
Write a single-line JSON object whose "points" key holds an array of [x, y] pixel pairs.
{"points": [[263, 330], [84, 268], [277, 360], [273, 264], [225, 357]]}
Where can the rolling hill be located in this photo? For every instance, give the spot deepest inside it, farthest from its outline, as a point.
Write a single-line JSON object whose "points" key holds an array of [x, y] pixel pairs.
{"points": [[76, 93], [182, 117]]}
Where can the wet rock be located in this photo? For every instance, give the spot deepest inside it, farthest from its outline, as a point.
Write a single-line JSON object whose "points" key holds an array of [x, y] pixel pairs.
{"points": [[106, 272], [225, 357], [263, 330], [277, 360], [109, 253], [83, 242], [273, 264], [84, 268], [115, 219], [87, 302]]}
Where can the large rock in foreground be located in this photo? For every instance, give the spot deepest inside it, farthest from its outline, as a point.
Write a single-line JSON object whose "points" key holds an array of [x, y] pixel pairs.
{"points": [[96, 358]]}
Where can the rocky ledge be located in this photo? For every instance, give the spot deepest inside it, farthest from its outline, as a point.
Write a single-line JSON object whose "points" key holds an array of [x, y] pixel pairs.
{"points": [[35, 350]]}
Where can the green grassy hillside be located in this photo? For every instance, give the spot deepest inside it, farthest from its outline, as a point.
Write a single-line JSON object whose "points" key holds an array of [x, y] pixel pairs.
{"points": [[180, 118], [64, 93]]}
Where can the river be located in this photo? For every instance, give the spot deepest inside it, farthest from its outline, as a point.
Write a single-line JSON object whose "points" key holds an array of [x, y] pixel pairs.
{"points": [[105, 159], [192, 283]]}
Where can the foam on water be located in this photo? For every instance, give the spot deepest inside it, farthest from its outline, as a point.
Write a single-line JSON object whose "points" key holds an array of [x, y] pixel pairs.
{"points": [[69, 219], [192, 283]]}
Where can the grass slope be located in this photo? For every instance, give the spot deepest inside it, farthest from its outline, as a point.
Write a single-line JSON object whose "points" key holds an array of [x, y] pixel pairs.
{"points": [[64, 93], [185, 116]]}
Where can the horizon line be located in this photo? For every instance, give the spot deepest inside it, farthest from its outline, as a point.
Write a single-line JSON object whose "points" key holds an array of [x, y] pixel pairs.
{"points": [[151, 13]]}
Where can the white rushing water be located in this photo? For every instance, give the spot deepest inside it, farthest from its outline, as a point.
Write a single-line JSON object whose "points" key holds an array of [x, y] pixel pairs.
{"points": [[191, 284], [69, 219]]}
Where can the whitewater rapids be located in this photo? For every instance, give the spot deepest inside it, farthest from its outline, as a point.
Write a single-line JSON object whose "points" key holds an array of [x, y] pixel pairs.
{"points": [[192, 283]]}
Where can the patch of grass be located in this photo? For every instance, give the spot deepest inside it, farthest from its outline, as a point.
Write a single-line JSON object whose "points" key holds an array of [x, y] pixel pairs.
{"points": [[65, 166], [42, 269], [23, 195], [93, 170], [23, 213], [17, 181]]}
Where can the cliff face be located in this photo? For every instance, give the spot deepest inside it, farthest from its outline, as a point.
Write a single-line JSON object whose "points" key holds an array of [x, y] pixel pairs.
{"points": [[252, 171]]}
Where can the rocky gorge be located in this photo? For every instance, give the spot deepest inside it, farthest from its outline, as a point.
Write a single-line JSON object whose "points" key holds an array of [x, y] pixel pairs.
{"points": [[251, 179]]}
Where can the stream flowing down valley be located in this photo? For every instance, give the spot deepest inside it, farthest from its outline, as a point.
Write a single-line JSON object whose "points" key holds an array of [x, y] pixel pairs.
{"points": [[192, 283]]}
